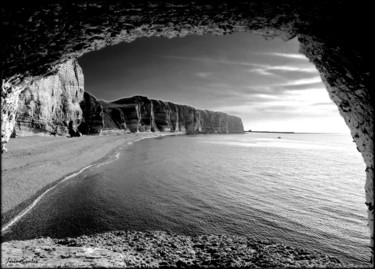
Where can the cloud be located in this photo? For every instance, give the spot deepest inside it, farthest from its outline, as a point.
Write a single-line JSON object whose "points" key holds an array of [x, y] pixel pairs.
{"points": [[261, 71], [203, 74], [284, 89], [282, 70], [322, 104], [310, 86], [256, 66], [309, 69], [313, 84], [303, 81], [301, 102], [305, 86], [289, 55], [208, 60], [264, 97]]}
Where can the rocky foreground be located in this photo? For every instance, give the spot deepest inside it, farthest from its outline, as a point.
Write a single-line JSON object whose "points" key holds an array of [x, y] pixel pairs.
{"points": [[159, 249]]}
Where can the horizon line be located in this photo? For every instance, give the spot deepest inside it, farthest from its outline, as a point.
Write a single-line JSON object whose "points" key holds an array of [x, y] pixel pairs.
{"points": [[294, 132]]}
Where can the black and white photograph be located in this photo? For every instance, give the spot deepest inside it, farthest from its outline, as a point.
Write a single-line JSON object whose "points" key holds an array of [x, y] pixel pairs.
{"points": [[187, 134]]}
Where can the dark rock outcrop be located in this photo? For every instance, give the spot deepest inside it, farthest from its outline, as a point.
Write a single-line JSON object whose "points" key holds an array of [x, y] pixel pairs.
{"points": [[93, 121], [141, 114], [139, 111], [73, 131], [113, 117]]}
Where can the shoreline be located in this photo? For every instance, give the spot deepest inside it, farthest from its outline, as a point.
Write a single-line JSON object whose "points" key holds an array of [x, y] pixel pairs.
{"points": [[119, 248], [160, 249], [20, 165]]}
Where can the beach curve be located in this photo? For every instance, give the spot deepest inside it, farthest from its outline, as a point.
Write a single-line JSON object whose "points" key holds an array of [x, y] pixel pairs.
{"points": [[35, 165]]}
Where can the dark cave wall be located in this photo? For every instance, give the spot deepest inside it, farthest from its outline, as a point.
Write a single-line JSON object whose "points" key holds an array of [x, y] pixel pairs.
{"points": [[334, 35]]}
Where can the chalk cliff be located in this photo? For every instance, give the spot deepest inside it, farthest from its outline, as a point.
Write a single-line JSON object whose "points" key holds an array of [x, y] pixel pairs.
{"points": [[141, 114], [51, 105], [58, 105]]}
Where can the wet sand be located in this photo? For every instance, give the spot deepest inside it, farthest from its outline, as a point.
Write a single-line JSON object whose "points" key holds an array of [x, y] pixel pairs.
{"points": [[35, 163]]}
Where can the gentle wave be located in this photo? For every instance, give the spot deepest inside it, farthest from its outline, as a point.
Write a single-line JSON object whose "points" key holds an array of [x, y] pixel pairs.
{"points": [[35, 202]]}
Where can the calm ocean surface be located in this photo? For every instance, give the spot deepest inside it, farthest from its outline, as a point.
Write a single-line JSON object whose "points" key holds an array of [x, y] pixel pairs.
{"points": [[304, 190]]}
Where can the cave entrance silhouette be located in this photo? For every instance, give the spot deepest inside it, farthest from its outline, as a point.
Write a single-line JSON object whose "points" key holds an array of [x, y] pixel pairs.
{"points": [[43, 34]]}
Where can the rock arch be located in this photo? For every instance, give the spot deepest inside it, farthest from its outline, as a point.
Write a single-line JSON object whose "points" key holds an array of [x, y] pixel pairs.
{"points": [[39, 35]]}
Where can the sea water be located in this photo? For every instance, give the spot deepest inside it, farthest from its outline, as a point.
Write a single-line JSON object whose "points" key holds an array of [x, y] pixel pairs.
{"points": [[304, 190]]}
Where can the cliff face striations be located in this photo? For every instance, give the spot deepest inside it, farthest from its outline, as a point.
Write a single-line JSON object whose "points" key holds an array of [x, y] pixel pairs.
{"points": [[51, 105], [58, 105], [141, 114]]}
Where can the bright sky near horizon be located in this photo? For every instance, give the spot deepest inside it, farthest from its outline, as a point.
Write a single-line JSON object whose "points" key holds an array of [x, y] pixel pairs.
{"points": [[267, 83]]}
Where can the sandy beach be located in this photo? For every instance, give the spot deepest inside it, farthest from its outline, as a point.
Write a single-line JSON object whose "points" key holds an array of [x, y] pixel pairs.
{"points": [[33, 164]]}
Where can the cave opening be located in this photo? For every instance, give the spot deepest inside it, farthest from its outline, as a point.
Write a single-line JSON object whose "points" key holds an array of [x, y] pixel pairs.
{"points": [[342, 64], [196, 71], [238, 74], [278, 85]]}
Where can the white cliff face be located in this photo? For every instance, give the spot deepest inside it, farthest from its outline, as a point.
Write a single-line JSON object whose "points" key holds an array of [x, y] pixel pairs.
{"points": [[50, 104], [141, 114]]}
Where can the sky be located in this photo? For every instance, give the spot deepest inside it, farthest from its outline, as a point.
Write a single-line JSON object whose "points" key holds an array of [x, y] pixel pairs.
{"points": [[267, 83]]}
